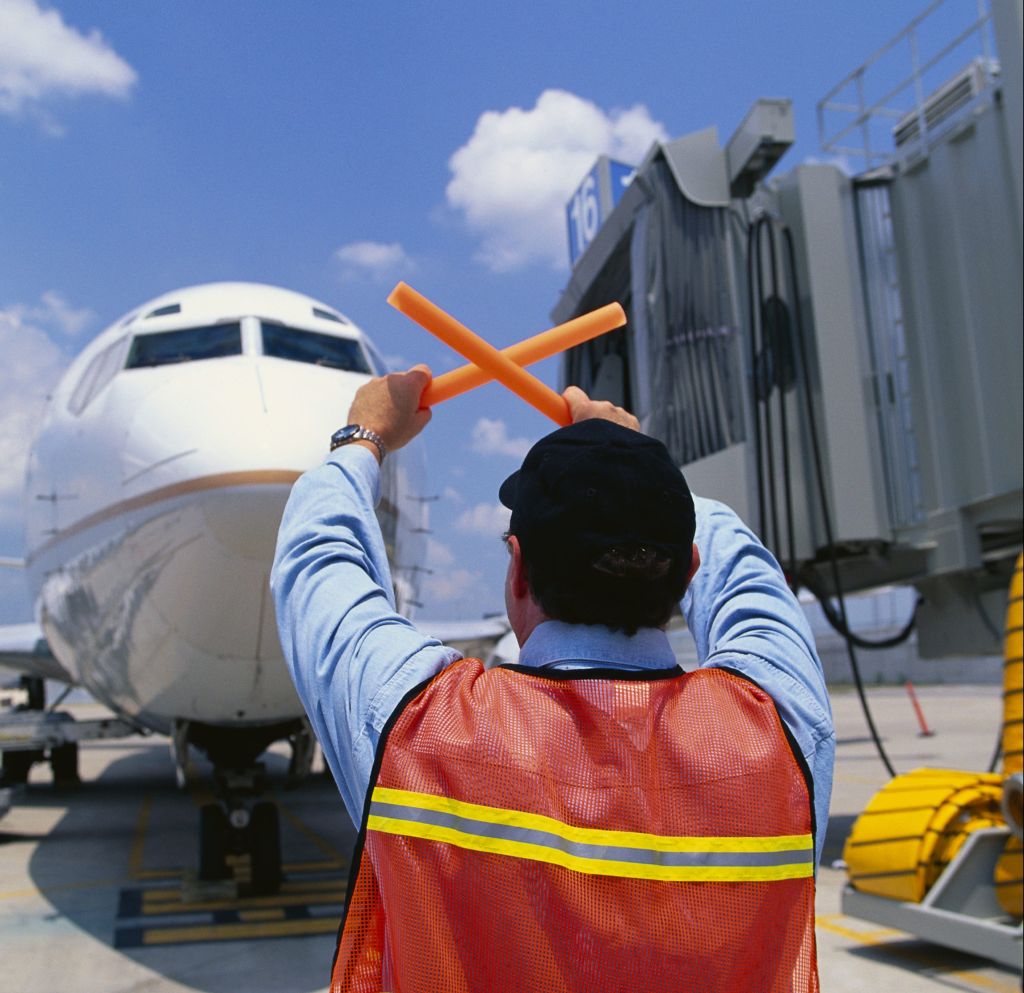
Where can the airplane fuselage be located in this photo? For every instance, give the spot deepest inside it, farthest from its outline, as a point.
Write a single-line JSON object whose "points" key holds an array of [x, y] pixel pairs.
{"points": [[155, 487]]}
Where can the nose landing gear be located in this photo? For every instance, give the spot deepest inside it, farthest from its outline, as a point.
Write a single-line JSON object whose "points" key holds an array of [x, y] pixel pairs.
{"points": [[240, 835]]}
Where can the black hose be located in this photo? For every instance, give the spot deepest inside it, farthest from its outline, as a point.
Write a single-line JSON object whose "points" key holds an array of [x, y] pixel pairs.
{"points": [[778, 375], [769, 435], [823, 497], [809, 581], [754, 318], [997, 754]]}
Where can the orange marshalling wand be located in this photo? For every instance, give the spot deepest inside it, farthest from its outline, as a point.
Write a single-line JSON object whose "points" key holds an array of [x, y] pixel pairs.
{"points": [[540, 346], [487, 363]]}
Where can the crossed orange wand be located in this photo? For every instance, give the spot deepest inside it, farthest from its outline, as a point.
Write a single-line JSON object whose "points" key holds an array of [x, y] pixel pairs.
{"points": [[486, 363]]}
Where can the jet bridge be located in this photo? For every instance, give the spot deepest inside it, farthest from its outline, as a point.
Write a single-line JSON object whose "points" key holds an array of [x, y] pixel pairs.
{"points": [[838, 356]]}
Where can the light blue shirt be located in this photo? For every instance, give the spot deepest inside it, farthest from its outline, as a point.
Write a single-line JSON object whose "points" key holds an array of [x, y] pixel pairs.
{"points": [[354, 659]]}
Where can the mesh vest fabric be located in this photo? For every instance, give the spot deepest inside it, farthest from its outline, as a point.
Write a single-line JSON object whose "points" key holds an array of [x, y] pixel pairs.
{"points": [[559, 835]]}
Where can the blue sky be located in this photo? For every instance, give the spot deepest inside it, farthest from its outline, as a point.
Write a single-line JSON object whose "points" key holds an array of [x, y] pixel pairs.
{"points": [[334, 148]]}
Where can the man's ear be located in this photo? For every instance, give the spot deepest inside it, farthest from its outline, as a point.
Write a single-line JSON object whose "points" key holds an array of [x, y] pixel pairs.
{"points": [[518, 574], [694, 564]]}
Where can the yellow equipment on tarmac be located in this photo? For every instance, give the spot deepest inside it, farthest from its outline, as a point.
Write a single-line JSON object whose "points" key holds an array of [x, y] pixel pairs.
{"points": [[938, 852]]}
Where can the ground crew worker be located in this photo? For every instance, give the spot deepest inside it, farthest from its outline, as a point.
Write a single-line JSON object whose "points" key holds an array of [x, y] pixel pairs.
{"points": [[592, 818]]}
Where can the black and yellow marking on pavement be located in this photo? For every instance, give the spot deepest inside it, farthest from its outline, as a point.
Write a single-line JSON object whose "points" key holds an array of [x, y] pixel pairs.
{"points": [[306, 905], [160, 906]]}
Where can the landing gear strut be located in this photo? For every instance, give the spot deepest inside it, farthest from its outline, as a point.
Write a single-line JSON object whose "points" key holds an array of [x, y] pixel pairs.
{"points": [[239, 832], [240, 828], [17, 764]]}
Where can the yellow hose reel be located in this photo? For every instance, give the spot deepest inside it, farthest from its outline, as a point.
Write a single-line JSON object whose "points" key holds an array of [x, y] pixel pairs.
{"points": [[915, 825]]}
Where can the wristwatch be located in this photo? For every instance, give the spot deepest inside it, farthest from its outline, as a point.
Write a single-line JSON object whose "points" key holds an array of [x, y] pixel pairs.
{"points": [[356, 432]]}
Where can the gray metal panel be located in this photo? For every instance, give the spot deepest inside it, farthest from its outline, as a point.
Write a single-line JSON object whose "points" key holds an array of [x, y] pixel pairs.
{"points": [[698, 164], [1007, 21], [959, 252], [761, 139], [888, 351], [816, 202]]}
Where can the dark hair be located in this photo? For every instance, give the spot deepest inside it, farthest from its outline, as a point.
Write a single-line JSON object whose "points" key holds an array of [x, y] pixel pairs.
{"points": [[626, 588], [605, 522]]}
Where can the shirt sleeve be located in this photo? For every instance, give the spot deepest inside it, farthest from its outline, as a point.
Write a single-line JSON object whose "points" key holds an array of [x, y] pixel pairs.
{"points": [[352, 657], [744, 617]]}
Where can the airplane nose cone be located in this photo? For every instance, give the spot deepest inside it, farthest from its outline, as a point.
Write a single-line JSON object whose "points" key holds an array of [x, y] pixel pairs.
{"points": [[235, 415]]}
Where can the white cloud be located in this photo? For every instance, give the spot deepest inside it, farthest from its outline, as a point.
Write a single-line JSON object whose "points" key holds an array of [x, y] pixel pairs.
{"points": [[41, 57], [511, 180], [490, 437], [373, 258], [32, 364], [56, 312], [439, 555], [450, 584], [450, 493], [487, 519]]}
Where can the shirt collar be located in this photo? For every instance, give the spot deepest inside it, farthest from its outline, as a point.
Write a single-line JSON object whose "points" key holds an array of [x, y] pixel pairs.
{"points": [[555, 644]]}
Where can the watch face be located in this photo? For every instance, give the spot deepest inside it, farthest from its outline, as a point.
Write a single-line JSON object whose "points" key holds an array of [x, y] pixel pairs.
{"points": [[344, 434]]}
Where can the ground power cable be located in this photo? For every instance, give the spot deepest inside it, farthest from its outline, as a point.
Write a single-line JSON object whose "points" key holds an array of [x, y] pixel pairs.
{"points": [[823, 498], [808, 580], [778, 374], [763, 447]]}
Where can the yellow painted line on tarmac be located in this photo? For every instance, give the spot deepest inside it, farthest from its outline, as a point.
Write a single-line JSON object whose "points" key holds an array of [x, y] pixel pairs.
{"points": [[298, 886], [138, 851], [251, 916], [321, 842], [139, 838], [879, 937], [239, 932], [322, 866], [164, 905], [156, 874], [871, 937]]}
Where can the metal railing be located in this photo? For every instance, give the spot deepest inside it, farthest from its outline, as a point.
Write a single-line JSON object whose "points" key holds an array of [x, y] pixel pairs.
{"points": [[867, 124]]}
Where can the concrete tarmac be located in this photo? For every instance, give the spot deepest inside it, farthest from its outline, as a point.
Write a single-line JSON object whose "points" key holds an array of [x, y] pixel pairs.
{"points": [[98, 894]]}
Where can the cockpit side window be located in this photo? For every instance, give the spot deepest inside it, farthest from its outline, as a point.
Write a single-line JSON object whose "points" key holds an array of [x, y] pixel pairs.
{"points": [[380, 367], [186, 345], [102, 368], [282, 342]]}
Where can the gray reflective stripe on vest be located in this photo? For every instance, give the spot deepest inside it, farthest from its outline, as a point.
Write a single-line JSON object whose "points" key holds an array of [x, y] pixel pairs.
{"points": [[545, 839]]}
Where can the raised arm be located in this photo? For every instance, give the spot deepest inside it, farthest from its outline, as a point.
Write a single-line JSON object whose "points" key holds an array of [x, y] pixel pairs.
{"points": [[744, 617], [352, 657]]}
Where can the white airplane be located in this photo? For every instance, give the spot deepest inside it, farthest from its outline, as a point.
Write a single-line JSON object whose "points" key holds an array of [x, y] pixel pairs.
{"points": [[154, 491]]}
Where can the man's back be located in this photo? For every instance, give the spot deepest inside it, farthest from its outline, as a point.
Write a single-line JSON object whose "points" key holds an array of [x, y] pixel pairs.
{"points": [[585, 830]]}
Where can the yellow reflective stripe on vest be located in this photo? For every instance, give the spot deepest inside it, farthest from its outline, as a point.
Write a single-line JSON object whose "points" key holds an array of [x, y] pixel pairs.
{"points": [[604, 853]]}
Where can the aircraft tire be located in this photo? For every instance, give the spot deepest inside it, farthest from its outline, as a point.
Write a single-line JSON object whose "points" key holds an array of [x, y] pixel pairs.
{"points": [[35, 687], [64, 764], [265, 848], [213, 837], [17, 765]]}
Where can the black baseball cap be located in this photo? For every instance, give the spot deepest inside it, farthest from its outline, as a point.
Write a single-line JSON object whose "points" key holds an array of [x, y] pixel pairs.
{"points": [[595, 486]]}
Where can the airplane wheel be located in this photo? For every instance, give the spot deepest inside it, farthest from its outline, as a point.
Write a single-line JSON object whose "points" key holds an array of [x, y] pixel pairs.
{"points": [[17, 765], [35, 687], [265, 848], [64, 763], [213, 836]]}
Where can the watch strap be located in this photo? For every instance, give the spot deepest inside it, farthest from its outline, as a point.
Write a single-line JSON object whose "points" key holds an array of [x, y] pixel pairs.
{"points": [[356, 432]]}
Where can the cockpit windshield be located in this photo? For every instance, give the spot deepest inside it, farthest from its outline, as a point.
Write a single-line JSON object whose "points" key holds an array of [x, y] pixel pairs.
{"points": [[282, 342], [186, 345]]}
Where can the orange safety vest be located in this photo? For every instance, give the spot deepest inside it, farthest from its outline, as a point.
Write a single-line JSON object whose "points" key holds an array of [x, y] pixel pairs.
{"points": [[585, 831]]}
